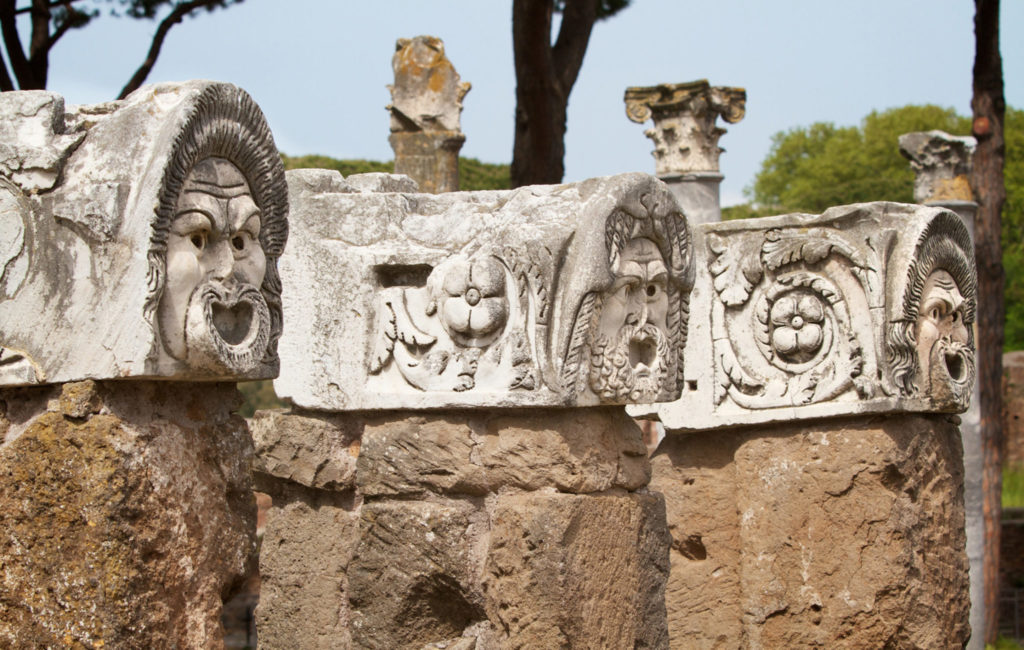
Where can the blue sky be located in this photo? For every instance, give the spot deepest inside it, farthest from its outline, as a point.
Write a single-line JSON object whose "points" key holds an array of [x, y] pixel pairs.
{"points": [[319, 68]]}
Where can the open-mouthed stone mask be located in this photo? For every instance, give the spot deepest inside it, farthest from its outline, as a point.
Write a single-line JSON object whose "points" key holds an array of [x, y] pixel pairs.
{"points": [[944, 348], [211, 312], [149, 235]]}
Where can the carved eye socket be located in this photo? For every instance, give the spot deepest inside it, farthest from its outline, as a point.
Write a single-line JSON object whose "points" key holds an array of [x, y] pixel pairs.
{"points": [[238, 242], [935, 314], [198, 240], [651, 290], [956, 316]]}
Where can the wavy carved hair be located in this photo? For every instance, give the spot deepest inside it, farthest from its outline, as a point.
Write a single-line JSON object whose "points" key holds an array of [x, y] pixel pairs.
{"points": [[224, 122], [944, 245]]}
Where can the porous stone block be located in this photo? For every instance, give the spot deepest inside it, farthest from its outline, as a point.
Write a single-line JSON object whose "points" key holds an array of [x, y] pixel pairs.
{"points": [[308, 544], [1013, 409], [865, 308], [126, 514], [316, 450], [566, 571], [139, 238], [461, 529], [414, 578], [569, 450], [543, 296], [840, 533]]}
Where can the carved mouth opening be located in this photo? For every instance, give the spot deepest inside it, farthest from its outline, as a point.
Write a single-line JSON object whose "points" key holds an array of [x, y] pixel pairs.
{"points": [[232, 323], [642, 352], [955, 366]]}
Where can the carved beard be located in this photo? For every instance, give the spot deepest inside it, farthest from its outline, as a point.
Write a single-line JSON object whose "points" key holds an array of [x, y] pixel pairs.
{"points": [[632, 367], [951, 374], [227, 328]]}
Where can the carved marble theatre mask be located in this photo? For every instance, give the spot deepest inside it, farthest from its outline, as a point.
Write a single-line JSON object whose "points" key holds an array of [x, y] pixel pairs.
{"points": [[212, 312]]}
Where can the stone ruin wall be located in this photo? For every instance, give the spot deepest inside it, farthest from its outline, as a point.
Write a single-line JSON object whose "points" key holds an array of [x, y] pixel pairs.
{"points": [[458, 468]]}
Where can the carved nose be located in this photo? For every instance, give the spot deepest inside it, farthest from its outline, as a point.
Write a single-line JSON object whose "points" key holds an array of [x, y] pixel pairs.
{"points": [[637, 316], [222, 261]]}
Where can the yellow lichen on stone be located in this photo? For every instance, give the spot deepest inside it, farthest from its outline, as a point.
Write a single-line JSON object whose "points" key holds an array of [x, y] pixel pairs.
{"points": [[957, 188]]}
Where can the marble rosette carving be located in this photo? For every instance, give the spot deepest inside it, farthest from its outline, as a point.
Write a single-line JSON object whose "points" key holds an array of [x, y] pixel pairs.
{"points": [[139, 238], [865, 308], [548, 295]]}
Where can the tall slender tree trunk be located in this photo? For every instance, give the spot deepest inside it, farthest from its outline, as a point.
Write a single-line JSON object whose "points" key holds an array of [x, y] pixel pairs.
{"points": [[989, 108], [545, 75]]}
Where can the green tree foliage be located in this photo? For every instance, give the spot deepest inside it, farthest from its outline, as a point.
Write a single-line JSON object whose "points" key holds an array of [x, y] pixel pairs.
{"points": [[473, 174], [1013, 230], [809, 169]]}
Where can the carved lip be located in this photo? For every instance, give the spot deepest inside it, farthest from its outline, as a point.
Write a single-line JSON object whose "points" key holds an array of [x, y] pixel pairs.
{"points": [[643, 352], [234, 314], [956, 365]]}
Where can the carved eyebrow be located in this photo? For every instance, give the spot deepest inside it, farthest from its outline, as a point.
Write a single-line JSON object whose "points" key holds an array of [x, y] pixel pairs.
{"points": [[184, 214], [255, 214]]}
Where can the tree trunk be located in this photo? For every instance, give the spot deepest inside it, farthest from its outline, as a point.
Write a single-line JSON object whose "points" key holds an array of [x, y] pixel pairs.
{"points": [[545, 75], [989, 108]]}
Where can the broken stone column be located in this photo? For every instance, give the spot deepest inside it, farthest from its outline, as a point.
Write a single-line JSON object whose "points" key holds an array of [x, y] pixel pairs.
{"points": [[686, 138], [942, 164], [812, 468], [140, 243], [457, 469], [426, 102]]}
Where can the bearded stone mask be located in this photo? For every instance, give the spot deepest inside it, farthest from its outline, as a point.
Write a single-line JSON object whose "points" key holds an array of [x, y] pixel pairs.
{"points": [[630, 347], [212, 313]]}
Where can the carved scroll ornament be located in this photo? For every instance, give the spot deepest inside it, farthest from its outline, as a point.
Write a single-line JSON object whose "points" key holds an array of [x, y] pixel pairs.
{"points": [[866, 308]]}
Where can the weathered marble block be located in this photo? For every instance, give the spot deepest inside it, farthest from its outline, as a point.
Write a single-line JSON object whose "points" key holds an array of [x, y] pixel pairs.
{"points": [[139, 238], [865, 308], [542, 296]]}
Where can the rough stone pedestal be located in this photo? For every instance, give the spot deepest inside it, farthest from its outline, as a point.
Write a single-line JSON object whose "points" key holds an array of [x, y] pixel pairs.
{"points": [[461, 529], [126, 514], [697, 194], [430, 158], [846, 533], [426, 102]]}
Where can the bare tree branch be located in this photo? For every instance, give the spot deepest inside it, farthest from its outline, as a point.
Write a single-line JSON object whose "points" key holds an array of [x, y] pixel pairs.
{"points": [[5, 78], [51, 4], [179, 12], [578, 20], [15, 52], [38, 51], [62, 28]]}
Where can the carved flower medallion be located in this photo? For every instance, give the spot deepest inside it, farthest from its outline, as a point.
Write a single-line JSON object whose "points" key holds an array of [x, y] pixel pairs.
{"points": [[473, 308], [797, 327]]}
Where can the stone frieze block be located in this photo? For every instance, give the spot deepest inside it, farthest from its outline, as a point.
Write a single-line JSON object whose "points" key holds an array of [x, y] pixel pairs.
{"points": [[865, 308], [139, 238], [542, 296]]}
